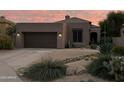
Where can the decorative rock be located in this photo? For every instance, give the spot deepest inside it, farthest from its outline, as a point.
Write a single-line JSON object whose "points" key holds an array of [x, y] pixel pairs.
{"points": [[80, 71], [75, 71], [86, 58], [68, 60], [70, 71]]}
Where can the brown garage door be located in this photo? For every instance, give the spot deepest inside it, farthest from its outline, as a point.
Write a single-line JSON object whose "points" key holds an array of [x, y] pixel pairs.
{"points": [[40, 40]]}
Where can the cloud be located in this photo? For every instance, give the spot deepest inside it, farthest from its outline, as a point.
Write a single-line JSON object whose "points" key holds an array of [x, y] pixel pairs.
{"points": [[53, 15]]}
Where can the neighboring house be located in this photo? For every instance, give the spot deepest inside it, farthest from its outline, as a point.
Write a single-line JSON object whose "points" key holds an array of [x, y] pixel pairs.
{"points": [[75, 31], [5, 25]]}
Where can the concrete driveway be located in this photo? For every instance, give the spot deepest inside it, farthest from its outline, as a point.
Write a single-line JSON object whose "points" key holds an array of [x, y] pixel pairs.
{"points": [[11, 60]]}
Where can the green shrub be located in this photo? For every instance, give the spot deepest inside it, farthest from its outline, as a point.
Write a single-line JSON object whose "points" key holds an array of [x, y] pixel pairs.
{"points": [[93, 46], [100, 67], [5, 42], [117, 66], [118, 50], [45, 71], [106, 46]]}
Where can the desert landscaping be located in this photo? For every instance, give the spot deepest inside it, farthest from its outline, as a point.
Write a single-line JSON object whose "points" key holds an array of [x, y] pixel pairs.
{"points": [[76, 70]]}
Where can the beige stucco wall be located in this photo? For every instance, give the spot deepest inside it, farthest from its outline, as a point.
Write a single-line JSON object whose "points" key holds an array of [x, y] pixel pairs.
{"points": [[19, 41], [64, 35], [119, 41], [85, 34], [65, 29], [39, 27], [97, 30]]}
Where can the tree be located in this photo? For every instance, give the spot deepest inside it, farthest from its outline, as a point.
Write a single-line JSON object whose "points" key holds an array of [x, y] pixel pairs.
{"points": [[11, 30], [112, 24], [7, 26]]}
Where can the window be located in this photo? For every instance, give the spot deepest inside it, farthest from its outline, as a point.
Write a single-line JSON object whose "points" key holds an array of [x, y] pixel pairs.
{"points": [[77, 35]]}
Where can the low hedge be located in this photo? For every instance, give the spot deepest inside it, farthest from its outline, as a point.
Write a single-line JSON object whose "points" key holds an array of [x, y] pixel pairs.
{"points": [[100, 67]]}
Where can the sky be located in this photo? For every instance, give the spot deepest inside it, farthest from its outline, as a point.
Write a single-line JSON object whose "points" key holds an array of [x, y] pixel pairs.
{"points": [[53, 15]]}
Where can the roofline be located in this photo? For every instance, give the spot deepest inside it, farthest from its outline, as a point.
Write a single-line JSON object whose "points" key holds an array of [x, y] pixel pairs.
{"points": [[37, 23], [81, 19], [95, 26], [62, 21]]}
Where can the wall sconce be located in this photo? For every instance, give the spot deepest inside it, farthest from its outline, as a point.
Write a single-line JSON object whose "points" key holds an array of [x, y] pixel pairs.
{"points": [[18, 34], [60, 35]]}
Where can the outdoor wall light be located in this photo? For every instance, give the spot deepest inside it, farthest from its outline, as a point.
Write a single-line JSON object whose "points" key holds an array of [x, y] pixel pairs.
{"points": [[18, 34], [60, 35]]}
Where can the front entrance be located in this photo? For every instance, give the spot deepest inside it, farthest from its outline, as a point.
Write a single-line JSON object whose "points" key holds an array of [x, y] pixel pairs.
{"points": [[93, 38]]}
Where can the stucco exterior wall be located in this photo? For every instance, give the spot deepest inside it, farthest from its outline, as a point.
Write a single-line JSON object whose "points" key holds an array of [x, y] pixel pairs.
{"points": [[38, 27], [85, 26], [97, 30], [64, 34], [19, 42], [64, 28], [119, 41]]}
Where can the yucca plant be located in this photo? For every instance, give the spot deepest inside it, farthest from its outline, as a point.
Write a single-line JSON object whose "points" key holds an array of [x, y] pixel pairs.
{"points": [[47, 70]]}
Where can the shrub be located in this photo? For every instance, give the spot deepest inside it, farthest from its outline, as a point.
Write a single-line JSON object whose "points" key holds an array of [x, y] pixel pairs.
{"points": [[118, 50], [93, 46], [117, 66], [100, 67], [106, 46], [45, 71], [5, 42]]}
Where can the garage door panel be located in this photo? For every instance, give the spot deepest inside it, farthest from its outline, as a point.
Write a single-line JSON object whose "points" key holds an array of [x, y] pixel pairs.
{"points": [[40, 40]]}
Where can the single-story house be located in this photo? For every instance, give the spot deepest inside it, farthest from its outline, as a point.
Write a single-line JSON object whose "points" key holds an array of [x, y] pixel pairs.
{"points": [[72, 30]]}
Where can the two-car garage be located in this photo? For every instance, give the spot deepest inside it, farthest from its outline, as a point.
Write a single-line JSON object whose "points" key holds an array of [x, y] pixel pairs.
{"points": [[39, 35], [40, 39]]}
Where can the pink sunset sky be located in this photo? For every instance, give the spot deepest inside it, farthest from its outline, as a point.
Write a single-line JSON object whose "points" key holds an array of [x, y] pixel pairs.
{"points": [[53, 15]]}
